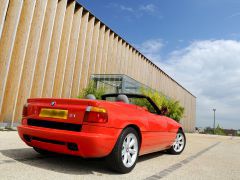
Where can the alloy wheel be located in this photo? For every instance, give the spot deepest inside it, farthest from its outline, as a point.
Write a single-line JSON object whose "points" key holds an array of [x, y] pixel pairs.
{"points": [[179, 142], [129, 150]]}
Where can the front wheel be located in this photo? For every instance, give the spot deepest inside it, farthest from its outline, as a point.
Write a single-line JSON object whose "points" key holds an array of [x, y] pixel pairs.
{"points": [[179, 144], [125, 153]]}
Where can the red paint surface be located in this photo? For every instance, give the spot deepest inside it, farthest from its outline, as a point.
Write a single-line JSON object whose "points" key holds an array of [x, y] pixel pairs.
{"points": [[98, 139]]}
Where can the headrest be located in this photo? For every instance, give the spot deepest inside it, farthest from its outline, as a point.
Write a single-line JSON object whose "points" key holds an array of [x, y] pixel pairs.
{"points": [[91, 96], [123, 98]]}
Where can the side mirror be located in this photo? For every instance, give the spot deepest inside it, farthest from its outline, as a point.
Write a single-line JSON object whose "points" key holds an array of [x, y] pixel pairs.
{"points": [[164, 110]]}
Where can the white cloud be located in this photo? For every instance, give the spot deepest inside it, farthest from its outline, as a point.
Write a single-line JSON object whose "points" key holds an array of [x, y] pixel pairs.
{"points": [[150, 8], [137, 11], [124, 8], [233, 15], [151, 48], [210, 69]]}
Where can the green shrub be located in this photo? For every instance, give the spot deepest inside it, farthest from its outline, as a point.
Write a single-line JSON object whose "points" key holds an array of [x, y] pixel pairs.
{"points": [[175, 110], [92, 89], [208, 130], [219, 131], [172, 108]]}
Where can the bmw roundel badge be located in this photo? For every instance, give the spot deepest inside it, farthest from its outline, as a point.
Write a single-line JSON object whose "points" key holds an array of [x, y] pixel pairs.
{"points": [[53, 103]]}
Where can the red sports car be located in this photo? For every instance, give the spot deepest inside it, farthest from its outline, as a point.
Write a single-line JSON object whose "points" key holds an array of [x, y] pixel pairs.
{"points": [[113, 127]]}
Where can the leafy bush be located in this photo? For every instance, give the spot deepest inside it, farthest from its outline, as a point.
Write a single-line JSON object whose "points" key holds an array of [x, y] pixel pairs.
{"points": [[92, 89], [170, 107], [208, 130], [175, 110], [219, 131]]}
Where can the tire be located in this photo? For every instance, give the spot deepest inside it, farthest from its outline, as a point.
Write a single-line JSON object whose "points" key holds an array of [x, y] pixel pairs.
{"points": [[124, 155], [41, 151], [179, 144]]}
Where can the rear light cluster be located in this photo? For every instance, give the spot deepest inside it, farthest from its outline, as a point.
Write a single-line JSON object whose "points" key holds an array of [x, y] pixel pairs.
{"points": [[25, 110], [24, 114], [96, 115]]}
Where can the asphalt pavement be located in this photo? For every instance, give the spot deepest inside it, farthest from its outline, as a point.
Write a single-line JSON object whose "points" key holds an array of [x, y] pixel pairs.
{"points": [[205, 157]]}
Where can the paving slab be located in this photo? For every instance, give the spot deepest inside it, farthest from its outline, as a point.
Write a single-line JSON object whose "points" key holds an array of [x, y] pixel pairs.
{"points": [[205, 157]]}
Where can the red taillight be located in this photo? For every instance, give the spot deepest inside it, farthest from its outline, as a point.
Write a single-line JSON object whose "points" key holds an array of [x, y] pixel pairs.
{"points": [[24, 121], [25, 110], [96, 115]]}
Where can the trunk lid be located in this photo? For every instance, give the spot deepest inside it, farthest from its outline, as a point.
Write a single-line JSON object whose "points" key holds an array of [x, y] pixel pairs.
{"points": [[59, 110]]}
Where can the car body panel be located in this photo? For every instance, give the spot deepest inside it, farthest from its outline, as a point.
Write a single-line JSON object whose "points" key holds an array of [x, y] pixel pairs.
{"points": [[97, 139], [92, 141]]}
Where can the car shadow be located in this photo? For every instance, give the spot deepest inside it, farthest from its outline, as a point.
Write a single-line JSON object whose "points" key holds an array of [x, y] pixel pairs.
{"points": [[151, 156], [56, 162], [64, 163]]}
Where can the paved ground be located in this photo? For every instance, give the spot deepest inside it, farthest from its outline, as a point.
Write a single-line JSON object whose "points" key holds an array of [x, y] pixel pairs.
{"points": [[205, 157]]}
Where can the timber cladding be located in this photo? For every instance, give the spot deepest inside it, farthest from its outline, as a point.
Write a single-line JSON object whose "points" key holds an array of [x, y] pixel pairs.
{"points": [[49, 48]]}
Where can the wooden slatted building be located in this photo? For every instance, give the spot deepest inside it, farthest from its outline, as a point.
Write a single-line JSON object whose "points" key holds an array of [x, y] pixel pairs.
{"points": [[50, 48]]}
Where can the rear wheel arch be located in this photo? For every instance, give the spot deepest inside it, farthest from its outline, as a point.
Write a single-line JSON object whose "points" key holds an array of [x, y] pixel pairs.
{"points": [[115, 159], [136, 128]]}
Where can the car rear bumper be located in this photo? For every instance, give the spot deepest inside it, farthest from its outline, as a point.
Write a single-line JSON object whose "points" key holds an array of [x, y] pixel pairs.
{"points": [[92, 141]]}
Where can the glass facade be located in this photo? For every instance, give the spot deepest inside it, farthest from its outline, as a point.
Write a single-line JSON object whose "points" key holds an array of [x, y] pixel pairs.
{"points": [[118, 83]]}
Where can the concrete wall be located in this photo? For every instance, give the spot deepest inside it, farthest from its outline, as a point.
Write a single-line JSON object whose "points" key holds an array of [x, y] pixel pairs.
{"points": [[49, 48]]}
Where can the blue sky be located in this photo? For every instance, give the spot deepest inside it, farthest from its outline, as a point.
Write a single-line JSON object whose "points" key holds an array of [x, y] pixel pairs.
{"points": [[177, 23], [196, 42]]}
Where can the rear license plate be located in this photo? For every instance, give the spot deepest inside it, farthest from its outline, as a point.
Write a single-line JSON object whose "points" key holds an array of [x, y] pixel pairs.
{"points": [[54, 113]]}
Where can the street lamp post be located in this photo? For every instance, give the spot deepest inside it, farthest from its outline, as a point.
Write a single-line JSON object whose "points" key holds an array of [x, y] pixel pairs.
{"points": [[214, 110]]}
